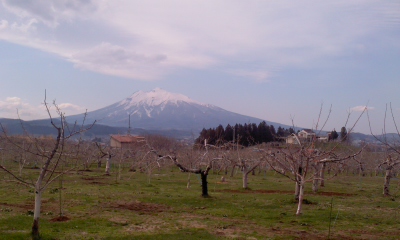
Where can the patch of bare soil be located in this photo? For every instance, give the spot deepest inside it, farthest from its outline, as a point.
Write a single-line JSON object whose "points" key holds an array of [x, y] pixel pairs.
{"points": [[255, 191], [60, 219], [333, 194], [94, 180], [98, 183], [23, 206], [365, 234], [144, 208]]}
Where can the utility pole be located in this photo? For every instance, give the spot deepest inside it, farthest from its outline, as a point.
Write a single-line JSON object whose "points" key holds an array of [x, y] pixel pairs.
{"points": [[129, 128]]}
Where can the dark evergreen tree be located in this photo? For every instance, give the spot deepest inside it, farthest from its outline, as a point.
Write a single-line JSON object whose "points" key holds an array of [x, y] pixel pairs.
{"points": [[247, 134], [235, 132], [254, 133], [212, 136], [273, 132], [280, 132], [343, 134], [219, 135], [228, 135], [203, 135], [334, 135], [265, 132]]}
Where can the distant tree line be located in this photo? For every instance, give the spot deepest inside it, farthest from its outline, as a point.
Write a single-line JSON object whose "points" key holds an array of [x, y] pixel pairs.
{"points": [[245, 135]]}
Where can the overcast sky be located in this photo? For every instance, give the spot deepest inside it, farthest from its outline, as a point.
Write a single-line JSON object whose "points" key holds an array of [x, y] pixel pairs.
{"points": [[275, 60]]}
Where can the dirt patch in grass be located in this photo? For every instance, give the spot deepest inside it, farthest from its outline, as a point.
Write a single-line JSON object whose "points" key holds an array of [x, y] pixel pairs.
{"points": [[144, 208], [23, 206], [249, 191], [94, 180], [333, 194], [98, 183], [60, 219]]}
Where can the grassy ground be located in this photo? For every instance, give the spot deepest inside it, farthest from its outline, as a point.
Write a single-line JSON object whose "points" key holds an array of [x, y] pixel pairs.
{"points": [[159, 206]]}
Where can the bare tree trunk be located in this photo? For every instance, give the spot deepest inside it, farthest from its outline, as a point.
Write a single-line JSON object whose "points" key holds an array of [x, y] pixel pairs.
{"points": [[87, 165], [315, 184], [386, 185], [108, 165], [301, 197], [322, 175], [245, 179], [233, 170], [36, 213], [298, 188], [204, 184], [317, 173], [297, 191]]}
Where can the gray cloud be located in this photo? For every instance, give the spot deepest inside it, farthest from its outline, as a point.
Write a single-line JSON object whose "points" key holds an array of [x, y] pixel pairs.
{"points": [[49, 11], [196, 34], [116, 60]]}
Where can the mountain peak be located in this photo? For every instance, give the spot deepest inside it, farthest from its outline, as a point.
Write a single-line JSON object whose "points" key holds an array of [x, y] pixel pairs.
{"points": [[156, 97], [159, 109]]}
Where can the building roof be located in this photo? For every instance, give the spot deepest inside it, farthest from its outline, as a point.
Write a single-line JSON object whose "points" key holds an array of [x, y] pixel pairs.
{"points": [[127, 138], [308, 130]]}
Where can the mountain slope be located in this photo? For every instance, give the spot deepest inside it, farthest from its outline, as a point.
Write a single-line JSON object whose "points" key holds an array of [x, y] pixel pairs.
{"points": [[159, 109]]}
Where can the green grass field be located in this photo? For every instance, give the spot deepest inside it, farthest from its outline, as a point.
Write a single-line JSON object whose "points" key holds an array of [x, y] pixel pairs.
{"points": [[160, 206]]}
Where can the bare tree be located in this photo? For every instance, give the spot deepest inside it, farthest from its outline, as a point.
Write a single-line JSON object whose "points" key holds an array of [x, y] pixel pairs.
{"points": [[247, 160], [106, 152], [302, 162], [51, 155], [202, 160], [390, 163], [391, 145]]}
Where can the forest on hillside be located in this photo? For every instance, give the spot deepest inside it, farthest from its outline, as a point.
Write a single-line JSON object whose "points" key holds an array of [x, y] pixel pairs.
{"points": [[245, 135]]}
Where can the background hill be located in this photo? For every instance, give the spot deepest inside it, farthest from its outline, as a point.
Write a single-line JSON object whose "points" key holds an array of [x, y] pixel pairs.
{"points": [[154, 112], [162, 110]]}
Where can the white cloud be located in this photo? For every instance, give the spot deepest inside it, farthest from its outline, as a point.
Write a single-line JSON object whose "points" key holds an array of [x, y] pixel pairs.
{"points": [[258, 76], [14, 107], [69, 107], [11, 107], [3, 24], [361, 108]]}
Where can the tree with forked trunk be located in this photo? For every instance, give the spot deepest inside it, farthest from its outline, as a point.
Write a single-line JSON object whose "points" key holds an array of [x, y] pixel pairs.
{"points": [[392, 148], [203, 159], [247, 160], [51, 152], [303, 161], [390, 164]]}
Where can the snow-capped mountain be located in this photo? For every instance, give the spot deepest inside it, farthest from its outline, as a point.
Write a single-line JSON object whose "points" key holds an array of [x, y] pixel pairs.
{"points": [[159, 109]]}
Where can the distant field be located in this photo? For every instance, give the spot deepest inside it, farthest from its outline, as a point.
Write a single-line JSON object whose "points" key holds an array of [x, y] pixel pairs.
{"points": [[159, 206]]}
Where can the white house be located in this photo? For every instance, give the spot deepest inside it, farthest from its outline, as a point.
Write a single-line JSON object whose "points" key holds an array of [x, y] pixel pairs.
{"points": [[307, 134]]}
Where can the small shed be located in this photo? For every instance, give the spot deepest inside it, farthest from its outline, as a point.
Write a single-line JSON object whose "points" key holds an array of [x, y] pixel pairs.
{"points": [[292, 139], [126, 141]]}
